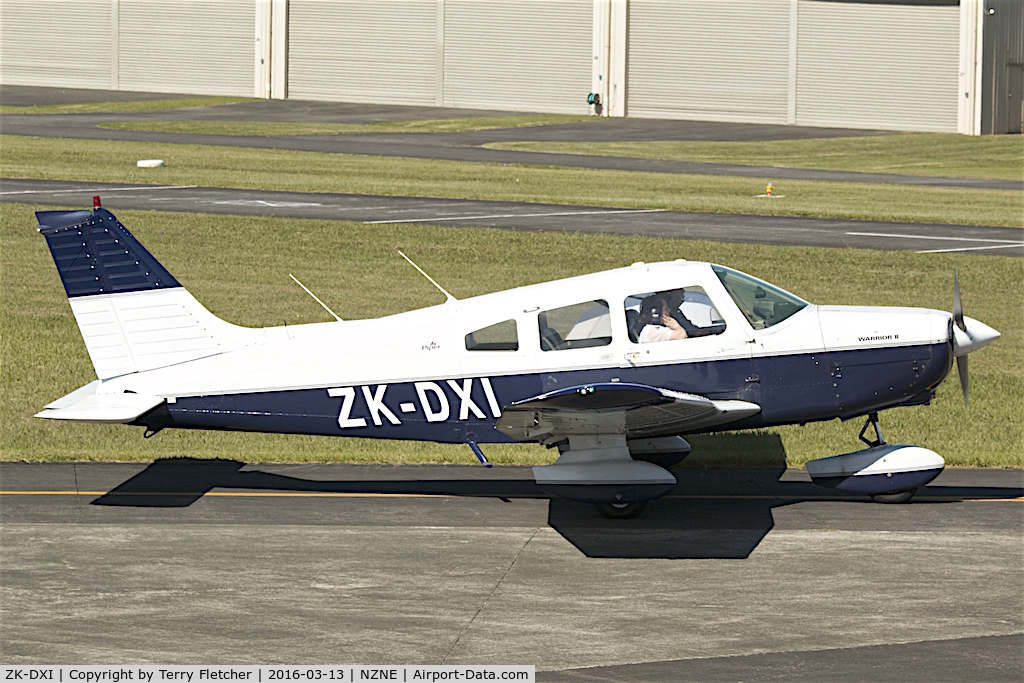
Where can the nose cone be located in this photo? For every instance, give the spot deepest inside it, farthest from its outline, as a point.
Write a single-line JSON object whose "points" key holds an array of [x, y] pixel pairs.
{"points": [[976, 335]]}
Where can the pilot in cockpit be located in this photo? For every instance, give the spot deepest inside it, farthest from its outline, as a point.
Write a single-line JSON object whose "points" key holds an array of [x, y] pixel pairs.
{"points": [[662, 318]]}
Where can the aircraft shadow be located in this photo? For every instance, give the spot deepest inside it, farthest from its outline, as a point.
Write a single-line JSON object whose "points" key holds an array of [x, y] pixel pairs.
{"points": [[715, 511]]}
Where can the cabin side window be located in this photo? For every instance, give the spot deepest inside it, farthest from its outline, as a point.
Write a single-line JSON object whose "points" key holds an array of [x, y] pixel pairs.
{"points": [[503, 336], [575, 327], [681, 313]]}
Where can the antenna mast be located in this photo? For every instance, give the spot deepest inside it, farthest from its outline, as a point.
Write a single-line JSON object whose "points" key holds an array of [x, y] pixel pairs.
{"points": [[315, 297], [448, 297]]}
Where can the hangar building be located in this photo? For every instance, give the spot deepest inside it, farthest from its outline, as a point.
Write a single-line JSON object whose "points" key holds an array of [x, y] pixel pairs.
{"points": [[916, 65]]}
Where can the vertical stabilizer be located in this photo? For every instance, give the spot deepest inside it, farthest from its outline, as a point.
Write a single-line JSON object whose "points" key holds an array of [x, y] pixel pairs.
{"points": [[133, 314]]}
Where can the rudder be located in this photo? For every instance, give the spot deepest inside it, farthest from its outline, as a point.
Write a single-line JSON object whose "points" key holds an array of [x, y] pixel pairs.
{"points": [[95, 254]]}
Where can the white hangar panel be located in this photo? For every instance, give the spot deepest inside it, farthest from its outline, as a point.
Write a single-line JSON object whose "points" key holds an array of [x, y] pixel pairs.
{"points": [[57, 44], [722, 61], [518, 55], [204, 47], [379, 51], [878, 66]]}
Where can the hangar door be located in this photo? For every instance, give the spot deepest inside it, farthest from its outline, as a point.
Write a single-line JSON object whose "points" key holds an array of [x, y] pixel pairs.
{"points": [[41, 43], [518, 55], [526, 55], [205, 48], [693, 59], [878, 66], [363, 51]]}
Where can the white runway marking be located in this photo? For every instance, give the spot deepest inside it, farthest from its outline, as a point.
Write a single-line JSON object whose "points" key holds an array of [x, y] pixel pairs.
{"points": [[991, 243], [994, 246], [610, 212], [262, 202], [928, 237], [105, 189]]}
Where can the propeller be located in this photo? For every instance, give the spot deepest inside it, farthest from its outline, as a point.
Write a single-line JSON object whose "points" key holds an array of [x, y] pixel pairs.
{"points": [[967, 334], [958, 320]]}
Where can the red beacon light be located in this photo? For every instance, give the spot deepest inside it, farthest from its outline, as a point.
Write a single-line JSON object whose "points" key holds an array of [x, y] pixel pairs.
{"points": [[95, 202]]}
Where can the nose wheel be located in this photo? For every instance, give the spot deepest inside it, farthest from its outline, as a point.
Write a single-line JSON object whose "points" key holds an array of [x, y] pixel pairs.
{"points": [[895, 496], [620, 510]]}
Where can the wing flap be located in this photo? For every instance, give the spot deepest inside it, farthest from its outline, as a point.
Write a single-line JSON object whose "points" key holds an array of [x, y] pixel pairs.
{"points": [[634, 410]]}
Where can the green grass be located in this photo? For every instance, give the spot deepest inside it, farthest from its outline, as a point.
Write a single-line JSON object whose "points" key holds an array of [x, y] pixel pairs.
{"points": [[214, 166], [277, 128], [121, 107], [936, 154], [238, 267]]}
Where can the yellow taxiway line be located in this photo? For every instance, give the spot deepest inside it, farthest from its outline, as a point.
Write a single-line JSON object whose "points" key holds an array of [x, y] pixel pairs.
{"points": [[226, 494], [339, 494]]}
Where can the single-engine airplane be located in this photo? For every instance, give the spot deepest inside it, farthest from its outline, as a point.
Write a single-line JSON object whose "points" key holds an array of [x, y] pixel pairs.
{"points": [[611, 368]]}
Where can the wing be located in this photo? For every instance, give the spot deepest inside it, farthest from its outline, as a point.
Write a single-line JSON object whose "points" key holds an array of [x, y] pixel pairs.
{"points": [[632, 410]]}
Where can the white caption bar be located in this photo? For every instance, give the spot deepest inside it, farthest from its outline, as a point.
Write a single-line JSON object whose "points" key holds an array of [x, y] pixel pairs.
{"points": [[152, 673]]}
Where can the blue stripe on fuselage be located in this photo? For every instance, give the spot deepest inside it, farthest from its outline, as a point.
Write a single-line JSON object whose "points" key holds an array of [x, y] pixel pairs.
{"points": [[790, 389]]}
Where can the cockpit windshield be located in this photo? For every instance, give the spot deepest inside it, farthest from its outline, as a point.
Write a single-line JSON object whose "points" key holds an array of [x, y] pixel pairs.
{"points": [[763, 304]]}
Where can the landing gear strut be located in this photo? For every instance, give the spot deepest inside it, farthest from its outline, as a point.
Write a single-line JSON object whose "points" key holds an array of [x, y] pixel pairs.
{"points": [[873, 421]]}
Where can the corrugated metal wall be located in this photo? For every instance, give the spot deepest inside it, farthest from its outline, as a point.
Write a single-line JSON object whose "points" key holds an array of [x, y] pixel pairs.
{"points": [[856, 63], [57, 44], [693, 59], [520, 55], [878, 66], [1002, 79], [528, 55], [200, 46], [381, 51]]}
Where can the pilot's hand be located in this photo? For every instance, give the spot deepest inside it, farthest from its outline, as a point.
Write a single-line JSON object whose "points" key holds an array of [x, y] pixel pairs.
{"points": [[673, 324]]}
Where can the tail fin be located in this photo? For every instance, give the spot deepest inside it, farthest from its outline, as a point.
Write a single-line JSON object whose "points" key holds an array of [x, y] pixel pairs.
{"points": [[133, 315]]}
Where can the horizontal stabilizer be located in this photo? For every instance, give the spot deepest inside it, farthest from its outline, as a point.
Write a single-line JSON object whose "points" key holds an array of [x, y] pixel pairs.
{"points": [[86, 405], [635, 410]]}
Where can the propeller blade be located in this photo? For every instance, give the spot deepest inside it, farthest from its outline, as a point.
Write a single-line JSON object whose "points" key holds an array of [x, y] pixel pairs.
{"points": [[961, 368], [958, 311]]}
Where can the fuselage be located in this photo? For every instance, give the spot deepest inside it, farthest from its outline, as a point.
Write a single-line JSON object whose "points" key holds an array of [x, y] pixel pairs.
{"points": [[446, 372]]}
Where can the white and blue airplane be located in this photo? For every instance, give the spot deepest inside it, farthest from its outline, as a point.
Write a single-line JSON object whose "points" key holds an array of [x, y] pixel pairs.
{"points": [[613, 368]]}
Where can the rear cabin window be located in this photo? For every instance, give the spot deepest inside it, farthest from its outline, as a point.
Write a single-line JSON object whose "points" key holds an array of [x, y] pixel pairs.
{"points": [[578, 326], [501, 336], [762, 304], [689, 312]]}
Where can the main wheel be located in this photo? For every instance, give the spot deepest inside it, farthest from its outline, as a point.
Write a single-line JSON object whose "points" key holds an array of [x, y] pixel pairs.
{"points": [[895, 497], [620, 510]]}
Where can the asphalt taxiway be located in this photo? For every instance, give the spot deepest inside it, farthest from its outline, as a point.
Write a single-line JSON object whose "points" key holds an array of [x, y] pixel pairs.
{"points": [[456, 213], [457, 146], [749, 574]]}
